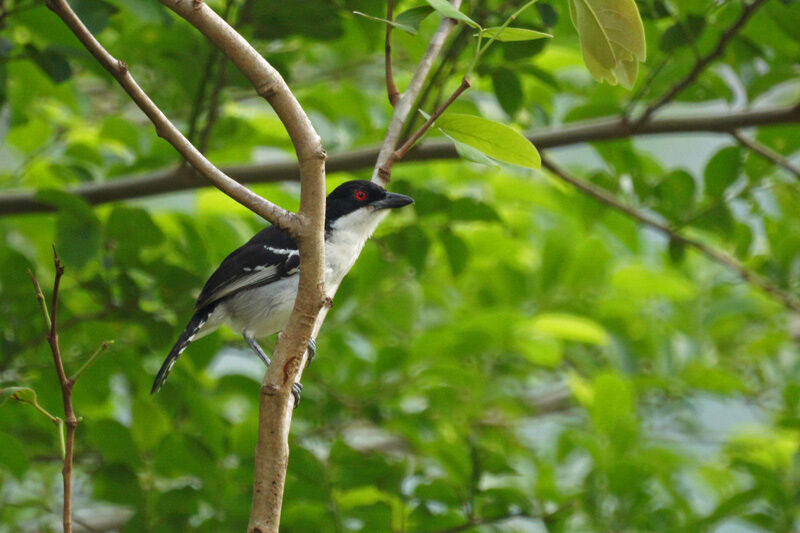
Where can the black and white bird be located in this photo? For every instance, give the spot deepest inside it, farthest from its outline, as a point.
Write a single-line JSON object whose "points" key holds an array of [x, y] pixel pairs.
{"points": [[254, 289]]}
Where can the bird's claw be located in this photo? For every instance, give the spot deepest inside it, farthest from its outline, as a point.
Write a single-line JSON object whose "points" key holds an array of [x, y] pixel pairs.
{"points": [[297, 388], [312, 350]]}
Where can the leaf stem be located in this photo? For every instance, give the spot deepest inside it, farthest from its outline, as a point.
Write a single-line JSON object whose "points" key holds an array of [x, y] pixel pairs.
{"points": [[89, 362], [400, 152]]}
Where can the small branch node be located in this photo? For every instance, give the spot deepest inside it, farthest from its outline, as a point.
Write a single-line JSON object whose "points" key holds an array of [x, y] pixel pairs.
{"points": [[267, 90], [122, 67], [322, 154]]}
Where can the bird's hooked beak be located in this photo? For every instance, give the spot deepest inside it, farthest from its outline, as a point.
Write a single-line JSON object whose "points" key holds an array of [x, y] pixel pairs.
{"points": [[392, 200]]}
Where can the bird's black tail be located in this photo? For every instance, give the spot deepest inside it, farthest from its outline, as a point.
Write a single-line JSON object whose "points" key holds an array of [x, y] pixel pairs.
{"points": [[186, 338]]}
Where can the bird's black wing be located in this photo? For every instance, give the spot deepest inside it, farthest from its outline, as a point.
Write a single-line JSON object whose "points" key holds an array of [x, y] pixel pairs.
{"points": [[269, 256]]}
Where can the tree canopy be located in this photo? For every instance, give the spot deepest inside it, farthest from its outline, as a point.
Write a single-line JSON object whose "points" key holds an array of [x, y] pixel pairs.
{"points": [[609, 343]]}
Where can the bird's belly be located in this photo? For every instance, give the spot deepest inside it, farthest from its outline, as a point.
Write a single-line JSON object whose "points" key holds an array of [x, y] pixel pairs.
{"points": [[265, 310]]}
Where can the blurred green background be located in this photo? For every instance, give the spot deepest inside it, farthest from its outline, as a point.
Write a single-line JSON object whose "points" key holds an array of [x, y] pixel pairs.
{"points": [[508, 355]]}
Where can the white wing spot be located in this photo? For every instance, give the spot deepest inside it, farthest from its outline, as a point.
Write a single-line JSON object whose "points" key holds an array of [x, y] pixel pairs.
{"points": [[285, 251]]}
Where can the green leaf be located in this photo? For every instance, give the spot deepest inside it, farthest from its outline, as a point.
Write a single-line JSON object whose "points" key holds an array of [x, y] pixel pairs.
{"points": [[20, 394], [13, 455], [150, 424], [612, 38], [676, 193], [496, 140], [52, 62], [508, 90], [540, 350], [570, 327], [78, 228], [509, 34], [722, 171], [446, 9], [94, 13], [413, 17], [466, 208], [637, 281], [471, 154], [456, 250], [682, 34]]}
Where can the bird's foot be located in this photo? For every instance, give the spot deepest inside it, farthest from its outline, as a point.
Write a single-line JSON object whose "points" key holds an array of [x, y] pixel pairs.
{"points": [[312, 350], [297, 388]]}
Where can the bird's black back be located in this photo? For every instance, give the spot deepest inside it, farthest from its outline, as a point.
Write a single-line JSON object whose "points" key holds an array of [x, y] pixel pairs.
{"points": [[269, 247]]}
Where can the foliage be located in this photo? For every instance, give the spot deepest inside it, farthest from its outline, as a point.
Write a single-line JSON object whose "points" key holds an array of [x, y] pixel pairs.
{"points": [[509, 354]]}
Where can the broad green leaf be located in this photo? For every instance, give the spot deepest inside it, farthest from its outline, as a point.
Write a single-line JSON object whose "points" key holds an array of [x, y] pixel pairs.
{"points": [[94, 13], [20, 394], [540, 350], [78, 228], [446, 9], [513, 34], [612, 38], [52, 62], [508, 90], [613, 408], [456, 250], [471, 154], [722, 170], [682, 34], [570, 327], [413, 17], [637, 281], [496, 140]]}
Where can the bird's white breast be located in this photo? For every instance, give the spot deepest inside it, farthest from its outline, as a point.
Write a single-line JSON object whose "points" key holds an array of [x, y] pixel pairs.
{"points": [[347, 237]]}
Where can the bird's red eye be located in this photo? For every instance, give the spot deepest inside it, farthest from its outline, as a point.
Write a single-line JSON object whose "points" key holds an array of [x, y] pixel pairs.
{"points": [[361, 196]]}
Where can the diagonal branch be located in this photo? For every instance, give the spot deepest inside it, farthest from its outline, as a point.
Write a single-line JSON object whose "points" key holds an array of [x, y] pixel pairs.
{"points": [[704, 61], [767, 153], [383, 170], [789, 300], [167, 130], [391, 87], [171, 179]]}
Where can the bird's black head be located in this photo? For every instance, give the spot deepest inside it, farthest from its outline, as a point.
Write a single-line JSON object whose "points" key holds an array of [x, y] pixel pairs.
{"points": [[354, 195]]}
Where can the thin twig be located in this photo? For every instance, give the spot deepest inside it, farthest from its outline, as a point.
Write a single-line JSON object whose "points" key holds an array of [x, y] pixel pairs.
{"points": [[165, 129], [730, 262], [596, 130], [212, 62], [89, 362], [767, 153], [400, 152], [391, 87], [70, 420], [438, 79], [381, 174], [703, 62], [219, 84]]}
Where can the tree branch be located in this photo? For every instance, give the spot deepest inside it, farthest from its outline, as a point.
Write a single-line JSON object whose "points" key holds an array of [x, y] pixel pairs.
{"points": [[391, 87], [275, 411], [767, 153], [165, 129], [307, 227], [730, 262], [704, 61], [181, 179], [383, 170]]}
